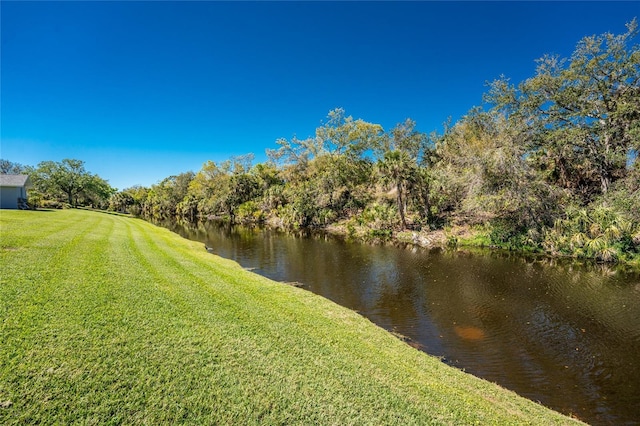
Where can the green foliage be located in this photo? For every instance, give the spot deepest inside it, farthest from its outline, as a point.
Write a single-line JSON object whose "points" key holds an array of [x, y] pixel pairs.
{"points": [[10, 168], [375, 223], [68, 182], [516, 170], [302, 209], [378, 217], [581, 115], [96, 193], [404, 151], [250, 212], [243, 187], [600, 233], [188, 207], [341, 135], [130, 200], [549, 164], [482, 174], [163, 199], [625, 195], [478, 238], [397, 168], [51, 204]]}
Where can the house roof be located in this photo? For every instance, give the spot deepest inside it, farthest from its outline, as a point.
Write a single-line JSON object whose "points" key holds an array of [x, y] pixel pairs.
{"points": [[14, 180]]}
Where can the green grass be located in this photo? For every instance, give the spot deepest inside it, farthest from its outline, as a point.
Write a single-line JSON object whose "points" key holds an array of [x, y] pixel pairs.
{"points": [[106, 319]]}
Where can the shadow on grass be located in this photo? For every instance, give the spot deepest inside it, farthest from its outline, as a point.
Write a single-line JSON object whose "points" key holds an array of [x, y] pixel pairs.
{"points": [[106, 212], [28, 210]]}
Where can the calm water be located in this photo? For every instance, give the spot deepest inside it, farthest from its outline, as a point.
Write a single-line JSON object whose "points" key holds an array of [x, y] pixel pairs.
{"points": [[567, 335]]}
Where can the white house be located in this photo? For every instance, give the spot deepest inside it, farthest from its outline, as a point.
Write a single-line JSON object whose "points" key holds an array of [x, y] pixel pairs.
{"points": [[13, 191]]}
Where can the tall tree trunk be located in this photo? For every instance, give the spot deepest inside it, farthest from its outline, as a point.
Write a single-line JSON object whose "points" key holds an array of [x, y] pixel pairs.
{"points": [[426, 202], [401, 206]]}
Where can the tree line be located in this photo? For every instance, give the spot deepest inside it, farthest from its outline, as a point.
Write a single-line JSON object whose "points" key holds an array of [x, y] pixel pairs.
{"points": [[549, 164], [63, 183]]}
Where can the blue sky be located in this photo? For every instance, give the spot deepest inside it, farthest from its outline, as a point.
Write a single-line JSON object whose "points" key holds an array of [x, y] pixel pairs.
{"points": [[144, 90]]}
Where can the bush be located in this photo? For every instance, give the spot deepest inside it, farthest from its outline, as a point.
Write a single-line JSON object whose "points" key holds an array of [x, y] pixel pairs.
{"points": [[599, 233], [53, 204], [379, 217], [250, 212]]}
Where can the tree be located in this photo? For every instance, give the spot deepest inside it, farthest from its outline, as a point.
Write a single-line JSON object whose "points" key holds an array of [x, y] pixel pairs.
{"points": [[10, 168], [340, 135], [243, 187], [69, 179], [130, 200], [163, 198], [403, 149], [327, 175], [210, 187], [96, 192], [219, 189], [397, 168], [484, 175], [582, 114], [121, 202]]}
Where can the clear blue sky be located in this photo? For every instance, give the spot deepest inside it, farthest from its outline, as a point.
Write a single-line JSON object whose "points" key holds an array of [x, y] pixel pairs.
{"points": [[144, 90]]}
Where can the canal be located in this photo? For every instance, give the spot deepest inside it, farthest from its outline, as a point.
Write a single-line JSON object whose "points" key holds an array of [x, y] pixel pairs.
{"points": [[561, 333]]}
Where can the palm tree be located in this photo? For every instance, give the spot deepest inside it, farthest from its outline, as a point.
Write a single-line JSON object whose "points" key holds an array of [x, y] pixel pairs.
{"points": [[397, 168]]}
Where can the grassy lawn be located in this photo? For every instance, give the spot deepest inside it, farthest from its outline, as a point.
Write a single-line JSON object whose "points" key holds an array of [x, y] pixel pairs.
{"points": [[106, 319]]}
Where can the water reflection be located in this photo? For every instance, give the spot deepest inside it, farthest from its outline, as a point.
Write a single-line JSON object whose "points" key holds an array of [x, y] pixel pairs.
{"points": [[564, 334]]}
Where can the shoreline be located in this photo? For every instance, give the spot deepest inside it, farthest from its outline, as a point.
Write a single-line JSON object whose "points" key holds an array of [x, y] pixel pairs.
{"points": [[455, 238]]}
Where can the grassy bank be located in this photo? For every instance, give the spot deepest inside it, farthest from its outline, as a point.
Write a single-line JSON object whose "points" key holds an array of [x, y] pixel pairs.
{"points": [[108, 319]]}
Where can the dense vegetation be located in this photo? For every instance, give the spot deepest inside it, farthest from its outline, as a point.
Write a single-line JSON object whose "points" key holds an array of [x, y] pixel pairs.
{"points": [[548, 165], [108, 319], [64, 183]]}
